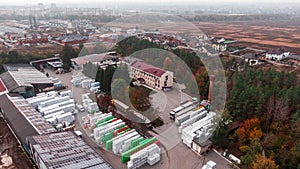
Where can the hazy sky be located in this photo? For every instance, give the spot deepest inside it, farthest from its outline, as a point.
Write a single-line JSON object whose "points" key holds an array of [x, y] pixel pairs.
{"points": [[24, 2]]}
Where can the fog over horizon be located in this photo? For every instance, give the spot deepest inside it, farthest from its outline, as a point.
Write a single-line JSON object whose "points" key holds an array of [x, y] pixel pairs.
{"points": [[141, 2]]}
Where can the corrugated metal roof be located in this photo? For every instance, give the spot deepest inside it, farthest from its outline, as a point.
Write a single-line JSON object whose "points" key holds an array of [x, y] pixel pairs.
{"points": [[21, 127], [8, 67], [101, 166], [33, 117], [23, 77], [45, 60], [92, 58], [29, 75], [65, 150], [296, 57], [9, 81]]}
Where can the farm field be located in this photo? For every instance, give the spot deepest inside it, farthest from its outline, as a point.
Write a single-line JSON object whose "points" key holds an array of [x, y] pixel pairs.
{"points": [[262, 35]]}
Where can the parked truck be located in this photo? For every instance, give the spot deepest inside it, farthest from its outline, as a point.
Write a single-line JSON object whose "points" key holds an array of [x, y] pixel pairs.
{"points": [[188, 106]]}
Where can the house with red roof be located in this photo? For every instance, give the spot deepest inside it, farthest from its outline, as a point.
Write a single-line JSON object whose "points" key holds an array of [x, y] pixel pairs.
{"points": [[154, 77]]}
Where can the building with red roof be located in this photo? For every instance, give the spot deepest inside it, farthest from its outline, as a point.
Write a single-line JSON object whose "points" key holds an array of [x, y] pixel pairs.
{"points": [[154, 77], [3, 88]]}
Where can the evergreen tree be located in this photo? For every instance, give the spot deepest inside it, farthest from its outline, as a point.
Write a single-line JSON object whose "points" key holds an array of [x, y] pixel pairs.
{"points": [[68, 53]]}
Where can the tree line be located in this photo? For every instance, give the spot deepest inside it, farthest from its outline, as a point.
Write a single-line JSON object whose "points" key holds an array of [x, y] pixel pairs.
{"points": [[262, 118], [14, 57]]}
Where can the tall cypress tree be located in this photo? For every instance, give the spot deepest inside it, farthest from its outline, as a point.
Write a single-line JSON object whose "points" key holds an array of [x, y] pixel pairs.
{"points": [[67, 54]]}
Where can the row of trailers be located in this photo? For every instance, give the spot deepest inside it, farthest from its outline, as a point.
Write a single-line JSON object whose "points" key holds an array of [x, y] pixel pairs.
{"points": [[119, 138], [184, 108], [194, 121]]}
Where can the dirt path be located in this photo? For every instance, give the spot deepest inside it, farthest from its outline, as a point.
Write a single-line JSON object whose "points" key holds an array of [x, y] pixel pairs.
{"points": [[11, 155]]}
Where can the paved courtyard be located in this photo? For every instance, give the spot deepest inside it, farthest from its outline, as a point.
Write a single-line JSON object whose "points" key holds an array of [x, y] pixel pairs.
{"points": [[175, 155]]}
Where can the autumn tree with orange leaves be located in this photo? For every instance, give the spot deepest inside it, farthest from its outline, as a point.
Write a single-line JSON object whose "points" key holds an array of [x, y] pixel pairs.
{"points": [[262, 162], [249, 131]]}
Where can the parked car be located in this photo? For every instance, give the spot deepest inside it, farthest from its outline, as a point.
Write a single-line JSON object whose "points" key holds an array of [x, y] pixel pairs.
{"points": [[78, 133], [80, 107]]}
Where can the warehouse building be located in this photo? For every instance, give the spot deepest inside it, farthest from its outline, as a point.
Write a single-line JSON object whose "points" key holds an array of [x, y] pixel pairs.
{"points": [[101, 59], [152, 76], [22, 118], [26, 81], [64, 150], [40, 64]]}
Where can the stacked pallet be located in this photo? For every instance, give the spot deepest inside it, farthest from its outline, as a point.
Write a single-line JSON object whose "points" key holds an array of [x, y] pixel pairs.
{"points": [[88, 104], [150, 155], [121, 139]]}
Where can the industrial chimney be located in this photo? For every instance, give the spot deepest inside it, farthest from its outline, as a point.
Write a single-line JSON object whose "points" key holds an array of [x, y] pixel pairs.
{"points": [[211, 87]]}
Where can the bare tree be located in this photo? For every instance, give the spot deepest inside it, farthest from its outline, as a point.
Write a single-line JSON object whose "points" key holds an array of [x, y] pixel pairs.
{"points": [[269, 106], [281, 113]]}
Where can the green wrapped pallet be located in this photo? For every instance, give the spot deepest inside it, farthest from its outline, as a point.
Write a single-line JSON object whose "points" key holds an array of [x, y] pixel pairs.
{"points": [[108, 144], [126, 155], [144, 141], [135, 142], [110, 134], [126, 130], [122, 132], [106, 122], [92, 112], [105, 119], [107, 136]]}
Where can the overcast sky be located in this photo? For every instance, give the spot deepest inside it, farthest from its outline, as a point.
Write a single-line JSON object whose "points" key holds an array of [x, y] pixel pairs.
{"points": [[24, 2]]}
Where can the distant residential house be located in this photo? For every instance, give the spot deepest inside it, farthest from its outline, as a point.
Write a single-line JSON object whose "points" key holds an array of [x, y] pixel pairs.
{"points": [[169, 42], [277, 54], [221, 44], [71, 39], [295, 59], [251, 58], [152, 76], [32, 41], [220, 47]]}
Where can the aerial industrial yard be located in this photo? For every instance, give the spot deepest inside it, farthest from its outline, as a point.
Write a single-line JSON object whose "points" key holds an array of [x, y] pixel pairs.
{"points": [[48, 112], [193, 85]]}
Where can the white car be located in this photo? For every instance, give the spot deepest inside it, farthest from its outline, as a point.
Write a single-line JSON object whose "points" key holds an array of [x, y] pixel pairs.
{"points": [[80, 107], [78, 133]]}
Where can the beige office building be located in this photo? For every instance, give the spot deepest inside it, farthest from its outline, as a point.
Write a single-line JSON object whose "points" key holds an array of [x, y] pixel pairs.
{"points": [[152, 76]]}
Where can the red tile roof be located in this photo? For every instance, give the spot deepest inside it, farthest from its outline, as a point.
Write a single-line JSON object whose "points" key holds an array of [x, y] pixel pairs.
{"points": [[2, 87], [148, 68]]}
